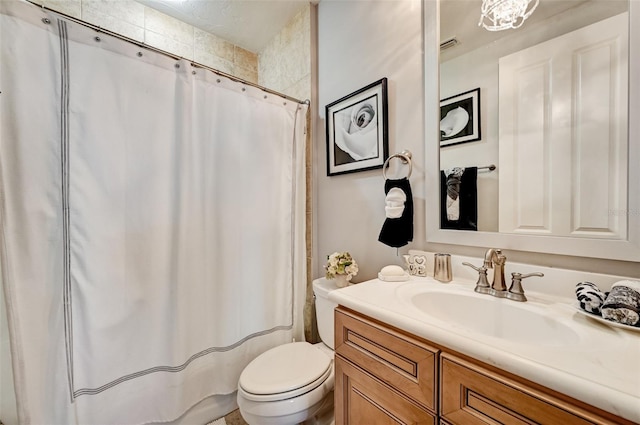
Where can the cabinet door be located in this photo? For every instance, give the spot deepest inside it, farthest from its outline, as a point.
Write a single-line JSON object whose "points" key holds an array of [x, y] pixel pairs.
{"points": [[399, 360], [363, 400], [472, 395]]}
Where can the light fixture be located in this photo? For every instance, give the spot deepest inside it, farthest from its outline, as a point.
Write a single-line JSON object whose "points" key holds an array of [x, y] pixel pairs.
{"points": [[498, 15]]}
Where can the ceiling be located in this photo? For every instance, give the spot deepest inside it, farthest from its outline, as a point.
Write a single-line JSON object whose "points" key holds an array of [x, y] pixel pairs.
{"points": [[250, 24], [459, 19]]}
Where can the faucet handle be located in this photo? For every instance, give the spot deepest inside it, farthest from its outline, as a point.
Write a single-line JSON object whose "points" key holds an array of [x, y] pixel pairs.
{"points": [[516, 293], [474, 267], [482, 285]]}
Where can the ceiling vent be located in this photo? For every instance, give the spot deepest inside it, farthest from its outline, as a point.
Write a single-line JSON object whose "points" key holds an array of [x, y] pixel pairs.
{"points": [[448, 43]]}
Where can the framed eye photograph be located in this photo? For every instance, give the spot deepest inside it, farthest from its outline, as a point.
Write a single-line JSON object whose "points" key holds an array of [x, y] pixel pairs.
{"points": [[357, 130], [460, 118]]}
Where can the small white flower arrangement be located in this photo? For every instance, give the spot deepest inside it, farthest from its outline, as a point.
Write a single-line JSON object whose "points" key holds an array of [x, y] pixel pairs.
{"points": [[341, 263]]}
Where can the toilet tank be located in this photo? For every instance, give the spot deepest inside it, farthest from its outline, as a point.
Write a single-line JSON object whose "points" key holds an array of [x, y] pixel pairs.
{"points": [[324, 309]]}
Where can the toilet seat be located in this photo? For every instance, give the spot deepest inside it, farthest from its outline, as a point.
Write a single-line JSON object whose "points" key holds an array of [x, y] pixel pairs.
{"points": [[284, 372]]}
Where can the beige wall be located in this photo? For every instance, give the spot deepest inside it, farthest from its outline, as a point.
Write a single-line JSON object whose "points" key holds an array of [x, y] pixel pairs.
{"points": [[146, 25], [359, 43], [284, 64]]}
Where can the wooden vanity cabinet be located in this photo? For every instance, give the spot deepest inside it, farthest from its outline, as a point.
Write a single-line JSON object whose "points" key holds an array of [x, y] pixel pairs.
{"points": [[387, 376], [382, 376], [472, 394]]}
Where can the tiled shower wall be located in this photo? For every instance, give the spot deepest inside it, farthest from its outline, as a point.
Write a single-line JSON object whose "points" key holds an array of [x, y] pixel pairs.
{"points": [[284, 64], [146, 25]]}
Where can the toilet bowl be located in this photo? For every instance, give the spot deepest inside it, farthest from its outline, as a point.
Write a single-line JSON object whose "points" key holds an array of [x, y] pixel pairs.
{"points": [[293, 383]]}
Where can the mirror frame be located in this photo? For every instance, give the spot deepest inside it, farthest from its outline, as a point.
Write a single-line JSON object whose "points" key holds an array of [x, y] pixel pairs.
{"points": [[626, 250]]}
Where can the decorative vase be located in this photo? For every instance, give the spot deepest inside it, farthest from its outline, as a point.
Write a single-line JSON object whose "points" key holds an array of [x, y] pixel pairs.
{"points": [[342, 280]]}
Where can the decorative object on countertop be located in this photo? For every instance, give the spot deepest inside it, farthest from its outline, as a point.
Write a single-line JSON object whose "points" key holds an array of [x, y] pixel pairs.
{"points": [[357, 130], [442, 267], [590, 297], [342, 267], [611, 323], [416, 264], [622, 305], [397, 229], [393, 274]]}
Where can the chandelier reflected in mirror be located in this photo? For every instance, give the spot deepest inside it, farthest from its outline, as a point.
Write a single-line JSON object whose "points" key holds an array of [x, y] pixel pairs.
{"points": [[498, 15]]}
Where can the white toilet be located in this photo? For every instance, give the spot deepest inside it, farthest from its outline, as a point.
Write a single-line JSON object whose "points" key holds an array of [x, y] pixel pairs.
{"points": [[293, 383]]}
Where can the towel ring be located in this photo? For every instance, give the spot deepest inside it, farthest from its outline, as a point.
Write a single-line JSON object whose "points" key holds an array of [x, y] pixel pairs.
{"points": [[405, 156]]}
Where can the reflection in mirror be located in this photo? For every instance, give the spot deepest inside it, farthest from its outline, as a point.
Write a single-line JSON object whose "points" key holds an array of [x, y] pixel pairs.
{"points": [[552, 116]]}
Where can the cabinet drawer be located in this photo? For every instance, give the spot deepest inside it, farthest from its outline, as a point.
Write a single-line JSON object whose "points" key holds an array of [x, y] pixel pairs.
{"points": [[474, 395], [362, 399], [401, 361]]}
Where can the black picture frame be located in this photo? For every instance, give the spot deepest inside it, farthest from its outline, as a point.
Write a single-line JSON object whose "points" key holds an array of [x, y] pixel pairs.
{"points": [[462, 114], [357, 130]]}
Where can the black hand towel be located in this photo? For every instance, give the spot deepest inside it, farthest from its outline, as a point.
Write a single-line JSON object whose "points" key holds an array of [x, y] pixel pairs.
{"points": [[466, 187], [397, 229]]}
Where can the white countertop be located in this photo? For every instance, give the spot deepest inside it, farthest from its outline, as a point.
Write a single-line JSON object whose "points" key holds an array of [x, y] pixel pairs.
{"points": [[602, 370]]}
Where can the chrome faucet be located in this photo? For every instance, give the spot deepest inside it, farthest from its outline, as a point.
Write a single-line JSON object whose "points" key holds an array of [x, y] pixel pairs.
{"points": [[516, 292], [482, 285], [494, 259]]}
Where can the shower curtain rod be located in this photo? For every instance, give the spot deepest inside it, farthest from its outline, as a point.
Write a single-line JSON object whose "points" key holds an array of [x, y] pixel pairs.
{"points": [[163, 52]]}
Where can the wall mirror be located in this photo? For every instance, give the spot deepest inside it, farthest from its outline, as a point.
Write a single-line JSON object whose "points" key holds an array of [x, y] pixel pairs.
{"points": [[547, 104]]}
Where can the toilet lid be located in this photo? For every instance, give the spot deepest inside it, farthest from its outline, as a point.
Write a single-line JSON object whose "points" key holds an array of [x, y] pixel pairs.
{"points": [[284, 369]]}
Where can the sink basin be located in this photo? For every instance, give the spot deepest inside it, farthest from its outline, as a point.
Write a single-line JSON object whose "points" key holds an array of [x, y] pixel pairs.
{"points": [[494, 317]]}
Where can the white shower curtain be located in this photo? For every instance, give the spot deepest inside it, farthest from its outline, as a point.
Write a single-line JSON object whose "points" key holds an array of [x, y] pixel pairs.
{"points": [[152, 224]]}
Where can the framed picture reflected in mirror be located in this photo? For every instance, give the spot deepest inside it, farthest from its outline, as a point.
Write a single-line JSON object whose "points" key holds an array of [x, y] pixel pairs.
{"points": [[460, 118]]}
